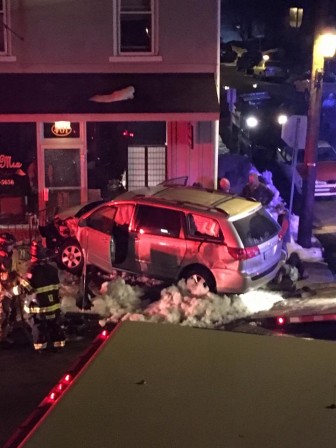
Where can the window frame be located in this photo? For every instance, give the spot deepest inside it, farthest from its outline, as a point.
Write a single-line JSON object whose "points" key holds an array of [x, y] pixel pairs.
{"points": [[134, 55], [5, 11]]}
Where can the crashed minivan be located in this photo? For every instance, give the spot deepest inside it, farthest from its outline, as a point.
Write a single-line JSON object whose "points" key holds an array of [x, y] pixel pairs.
{"points": [[227, 243]]}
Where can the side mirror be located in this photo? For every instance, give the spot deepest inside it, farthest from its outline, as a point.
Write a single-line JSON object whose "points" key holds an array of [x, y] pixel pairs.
{"points": [[82, 223]]}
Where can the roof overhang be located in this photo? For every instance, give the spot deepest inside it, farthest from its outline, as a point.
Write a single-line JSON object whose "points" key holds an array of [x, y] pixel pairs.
{"points": [[157, 97]]}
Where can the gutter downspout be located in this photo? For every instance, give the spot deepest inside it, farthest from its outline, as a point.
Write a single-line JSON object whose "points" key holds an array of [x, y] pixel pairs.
{"points": [[217, 82]]}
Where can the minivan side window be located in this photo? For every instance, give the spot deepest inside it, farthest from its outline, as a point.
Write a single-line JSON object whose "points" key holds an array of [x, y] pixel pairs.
{"points": [[158, 221], [102, 220], [256, 228], [203, 227]]}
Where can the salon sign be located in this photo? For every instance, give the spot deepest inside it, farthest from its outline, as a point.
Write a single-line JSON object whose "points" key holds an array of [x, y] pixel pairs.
{"points": [[6, 162]]}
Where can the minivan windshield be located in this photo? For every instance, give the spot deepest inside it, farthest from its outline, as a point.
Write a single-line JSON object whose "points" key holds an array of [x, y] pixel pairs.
{"points": [[256, 228]]}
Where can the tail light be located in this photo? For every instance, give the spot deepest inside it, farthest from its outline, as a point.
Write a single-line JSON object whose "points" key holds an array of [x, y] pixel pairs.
{"points": [[280, 321], [243, 254], [284, 229]]}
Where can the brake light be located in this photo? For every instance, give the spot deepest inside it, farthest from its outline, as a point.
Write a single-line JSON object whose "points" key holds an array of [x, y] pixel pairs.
{"points": [[280, 321], [243, 254], [284, 229]]}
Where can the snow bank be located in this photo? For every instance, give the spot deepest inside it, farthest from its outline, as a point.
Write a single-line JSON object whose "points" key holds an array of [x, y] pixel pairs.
{"points": [[183, 304]]}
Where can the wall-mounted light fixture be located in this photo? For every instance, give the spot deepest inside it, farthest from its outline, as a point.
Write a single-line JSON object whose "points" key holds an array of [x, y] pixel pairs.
{"points": [[295, 17]]}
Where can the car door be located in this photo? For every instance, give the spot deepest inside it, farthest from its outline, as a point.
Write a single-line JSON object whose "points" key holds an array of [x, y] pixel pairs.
{"points": [[95, 237], [160, 245]]}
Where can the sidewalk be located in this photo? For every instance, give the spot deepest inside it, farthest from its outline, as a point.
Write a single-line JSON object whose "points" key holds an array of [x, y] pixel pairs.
{"points": [[319, 273]]}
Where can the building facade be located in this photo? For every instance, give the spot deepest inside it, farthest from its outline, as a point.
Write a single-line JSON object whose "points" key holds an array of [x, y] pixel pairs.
{"points": [[91, 91]]}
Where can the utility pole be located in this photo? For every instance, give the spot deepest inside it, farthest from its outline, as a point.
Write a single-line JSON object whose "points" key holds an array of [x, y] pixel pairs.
{"points": [[314, 113]]}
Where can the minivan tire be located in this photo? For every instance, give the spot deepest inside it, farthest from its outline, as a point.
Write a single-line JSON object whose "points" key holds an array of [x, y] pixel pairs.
{"points": [[70, 256], [202, 274]]}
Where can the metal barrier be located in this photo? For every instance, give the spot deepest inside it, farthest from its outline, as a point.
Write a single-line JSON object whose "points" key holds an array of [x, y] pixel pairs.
{"points": [[25, 232]]}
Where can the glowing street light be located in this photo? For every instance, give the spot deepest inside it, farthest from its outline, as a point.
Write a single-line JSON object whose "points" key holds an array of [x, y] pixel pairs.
{"points": [[252, 122], [265, 57], [327, 45], [282, 119]]}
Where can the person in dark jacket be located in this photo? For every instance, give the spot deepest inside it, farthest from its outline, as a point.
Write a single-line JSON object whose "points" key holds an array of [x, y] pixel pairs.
{"points": [[257, 190], [42, 302]]}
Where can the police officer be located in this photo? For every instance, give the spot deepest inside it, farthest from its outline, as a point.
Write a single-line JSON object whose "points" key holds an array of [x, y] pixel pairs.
{"points": [[42, 303]]}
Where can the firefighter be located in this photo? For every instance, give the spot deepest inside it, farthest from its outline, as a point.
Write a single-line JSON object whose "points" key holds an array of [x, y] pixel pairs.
{"points": [[42, 302], [7, 279]]}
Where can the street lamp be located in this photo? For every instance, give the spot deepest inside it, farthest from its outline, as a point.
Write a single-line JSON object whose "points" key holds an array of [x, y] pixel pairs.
{"points": [[282, 119], [324, 46], [252, 122]]}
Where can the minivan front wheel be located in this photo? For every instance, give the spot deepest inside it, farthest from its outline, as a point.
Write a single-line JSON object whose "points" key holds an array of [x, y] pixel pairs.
{"points": [[70, 256], [200, 274]]}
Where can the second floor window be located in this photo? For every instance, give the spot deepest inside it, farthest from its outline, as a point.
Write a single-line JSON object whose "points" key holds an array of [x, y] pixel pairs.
{"points": [[4, 17], [136, 26]]}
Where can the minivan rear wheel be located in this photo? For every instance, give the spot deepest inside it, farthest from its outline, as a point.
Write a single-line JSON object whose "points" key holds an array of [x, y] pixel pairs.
{"points": [[200, 274]]}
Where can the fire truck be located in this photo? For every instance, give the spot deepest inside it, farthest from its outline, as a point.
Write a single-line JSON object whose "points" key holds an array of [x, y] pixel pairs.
{"points": [[161, 385]]}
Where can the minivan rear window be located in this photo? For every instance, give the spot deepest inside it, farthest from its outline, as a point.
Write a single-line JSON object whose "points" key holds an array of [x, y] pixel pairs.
{"points": [[256, 228]]}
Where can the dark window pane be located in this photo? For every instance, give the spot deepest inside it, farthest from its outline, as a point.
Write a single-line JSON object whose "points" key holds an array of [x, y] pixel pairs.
{"points": [[203, 227], [135, 5], [102, 220], [256, 228], [62, 168], [158, 221], [135, 33], [2, 34]]}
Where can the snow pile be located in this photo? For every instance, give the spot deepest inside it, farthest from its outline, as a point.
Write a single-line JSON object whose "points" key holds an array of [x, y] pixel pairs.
{"points": [[260, 300], [179, 305], [184, 304], [116, 299]]}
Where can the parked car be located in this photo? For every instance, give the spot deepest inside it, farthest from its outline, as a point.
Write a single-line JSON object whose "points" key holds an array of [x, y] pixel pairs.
{"points": [[225, 242], [60, 237], [325, 184], [248, 60], [274, 70]]}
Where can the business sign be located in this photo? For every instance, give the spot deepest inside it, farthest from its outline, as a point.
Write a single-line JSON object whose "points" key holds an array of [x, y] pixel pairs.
{"points": [[50, 130], [6, 162], [12, 181], [294, 131]]}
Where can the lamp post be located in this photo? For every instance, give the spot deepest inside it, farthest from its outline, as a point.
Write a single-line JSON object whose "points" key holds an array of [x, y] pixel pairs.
{"points": [[324, 46]]}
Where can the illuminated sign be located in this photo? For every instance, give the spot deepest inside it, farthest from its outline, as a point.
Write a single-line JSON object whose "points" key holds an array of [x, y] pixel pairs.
{"points": [[6, 162], [61, 128]]}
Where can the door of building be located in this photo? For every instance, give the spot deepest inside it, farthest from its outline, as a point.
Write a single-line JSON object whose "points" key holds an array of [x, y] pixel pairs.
{"points": [[62, 170]]}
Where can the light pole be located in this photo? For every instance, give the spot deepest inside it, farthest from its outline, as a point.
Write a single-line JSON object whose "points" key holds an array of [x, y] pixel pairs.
{"points": [[324, 46]]}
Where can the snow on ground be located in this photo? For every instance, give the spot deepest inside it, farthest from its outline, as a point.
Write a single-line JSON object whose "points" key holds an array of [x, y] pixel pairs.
{"points": [[185, 304], [315, 253]]}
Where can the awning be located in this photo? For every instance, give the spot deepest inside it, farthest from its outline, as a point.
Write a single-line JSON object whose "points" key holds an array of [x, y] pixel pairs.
{"points": [[157, 97]]}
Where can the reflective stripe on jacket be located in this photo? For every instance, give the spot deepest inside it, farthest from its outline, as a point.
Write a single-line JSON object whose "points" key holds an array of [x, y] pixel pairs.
{"points": [[33, 308]]}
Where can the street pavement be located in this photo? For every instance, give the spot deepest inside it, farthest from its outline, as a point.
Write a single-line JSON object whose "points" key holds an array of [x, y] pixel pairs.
{"points": [[27, 377]]}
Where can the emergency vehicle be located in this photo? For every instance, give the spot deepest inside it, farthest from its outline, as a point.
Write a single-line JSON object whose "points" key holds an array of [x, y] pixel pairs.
{"points": [[159, 385]]}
